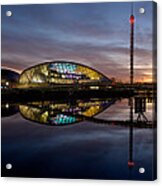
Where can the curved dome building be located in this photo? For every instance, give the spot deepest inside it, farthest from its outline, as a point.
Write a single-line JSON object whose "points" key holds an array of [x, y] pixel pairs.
{"points": [[60, 73]]}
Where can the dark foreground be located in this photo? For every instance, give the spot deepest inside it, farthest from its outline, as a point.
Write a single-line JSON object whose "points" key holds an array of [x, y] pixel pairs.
{"points": [[86, 149], [48, 94]]}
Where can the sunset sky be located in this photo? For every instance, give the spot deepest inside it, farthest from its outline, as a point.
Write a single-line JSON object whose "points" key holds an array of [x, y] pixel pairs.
{"points": [[97, 35]]}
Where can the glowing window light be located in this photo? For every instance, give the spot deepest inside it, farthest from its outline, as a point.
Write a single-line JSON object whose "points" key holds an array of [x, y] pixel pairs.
{"points": [[94, 87], [63, 67]]}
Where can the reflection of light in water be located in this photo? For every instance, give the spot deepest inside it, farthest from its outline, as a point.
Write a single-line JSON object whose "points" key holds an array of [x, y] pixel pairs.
{"points": [[91, 111], [44, 117], [150, 103], [7, 105], [63, 119], [34, 114], [118, 111], [8, 109], [149, 108], [52, 113], [60, 113]]}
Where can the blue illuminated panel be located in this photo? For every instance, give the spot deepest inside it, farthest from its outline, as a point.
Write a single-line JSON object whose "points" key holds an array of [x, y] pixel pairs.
{"points": [[63, 67], [62, 119]]}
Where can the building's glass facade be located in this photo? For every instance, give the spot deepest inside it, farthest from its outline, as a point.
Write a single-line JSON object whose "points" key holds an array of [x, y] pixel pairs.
{"points": [[60, 73]]}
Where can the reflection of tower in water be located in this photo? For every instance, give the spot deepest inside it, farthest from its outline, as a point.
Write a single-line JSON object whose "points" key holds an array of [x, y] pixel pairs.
{"points": [[139, 105], [130, 161]]}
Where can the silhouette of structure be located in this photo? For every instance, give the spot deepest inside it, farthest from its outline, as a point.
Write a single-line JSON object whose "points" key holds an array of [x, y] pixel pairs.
{"points": [[140, 108], [9, 78]]}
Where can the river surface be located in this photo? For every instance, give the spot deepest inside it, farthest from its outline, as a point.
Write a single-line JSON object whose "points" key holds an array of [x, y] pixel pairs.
{"points": [[78, 139]]}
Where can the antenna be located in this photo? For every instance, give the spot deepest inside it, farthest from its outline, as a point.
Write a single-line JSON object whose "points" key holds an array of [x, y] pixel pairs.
{"points": [[131, 20], [132, 8]]}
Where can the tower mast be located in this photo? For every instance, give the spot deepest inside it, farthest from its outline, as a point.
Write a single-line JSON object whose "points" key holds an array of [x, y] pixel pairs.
{"points": [[131, 20]]}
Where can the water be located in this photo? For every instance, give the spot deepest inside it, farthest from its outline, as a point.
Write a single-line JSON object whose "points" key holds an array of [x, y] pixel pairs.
{"points": [[78, 139]]}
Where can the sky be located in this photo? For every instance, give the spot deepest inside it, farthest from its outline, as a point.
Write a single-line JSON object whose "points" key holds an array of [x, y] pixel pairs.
{"points": [[94, 34]]}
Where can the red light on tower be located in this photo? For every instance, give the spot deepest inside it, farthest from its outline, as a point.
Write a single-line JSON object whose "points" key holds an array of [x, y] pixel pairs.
{"points": [[131, 19]]}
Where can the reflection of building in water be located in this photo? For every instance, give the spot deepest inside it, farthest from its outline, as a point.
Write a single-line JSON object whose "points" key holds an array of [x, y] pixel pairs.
{"points": [[150, 100], [140, 108], [62, 113], [9, 78], [60, 72]]}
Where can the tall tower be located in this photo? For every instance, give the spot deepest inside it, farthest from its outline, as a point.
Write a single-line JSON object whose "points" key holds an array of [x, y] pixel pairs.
{"points": [[131, 20]]}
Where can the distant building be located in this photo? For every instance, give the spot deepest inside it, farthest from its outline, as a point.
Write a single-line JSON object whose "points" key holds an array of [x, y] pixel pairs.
{"points": [[61, 73], [9, 78]]}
